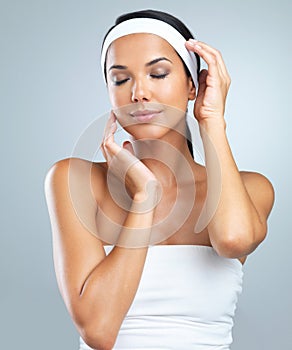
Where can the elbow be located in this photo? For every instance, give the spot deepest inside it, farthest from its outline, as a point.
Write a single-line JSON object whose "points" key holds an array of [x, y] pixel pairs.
{"points": [[97, 329], [97, 340], [236, 245], [98, 337]]}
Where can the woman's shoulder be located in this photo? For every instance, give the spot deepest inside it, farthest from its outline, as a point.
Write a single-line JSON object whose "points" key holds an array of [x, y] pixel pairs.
{"points": [[78, 167], [259, 187], [81, 170], [78, 161], [252, 178]]}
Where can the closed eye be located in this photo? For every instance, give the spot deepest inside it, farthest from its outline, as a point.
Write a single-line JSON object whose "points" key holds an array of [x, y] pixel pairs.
{"points": [[155, 76], [120, 82], [159, 76]]}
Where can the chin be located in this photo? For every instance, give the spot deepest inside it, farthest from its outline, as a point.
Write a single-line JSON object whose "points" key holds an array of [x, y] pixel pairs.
{"points": [[147, 131], [153, 130]]}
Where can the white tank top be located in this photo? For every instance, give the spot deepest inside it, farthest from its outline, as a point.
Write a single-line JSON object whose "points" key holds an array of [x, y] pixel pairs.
{"points": [[186, 300]]}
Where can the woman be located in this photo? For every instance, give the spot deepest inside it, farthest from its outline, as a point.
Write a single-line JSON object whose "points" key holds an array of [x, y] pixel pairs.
{"points": [[158, 284]]}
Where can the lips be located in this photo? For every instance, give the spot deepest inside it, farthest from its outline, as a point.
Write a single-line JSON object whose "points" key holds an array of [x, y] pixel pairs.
{"points": [[144, 115]]}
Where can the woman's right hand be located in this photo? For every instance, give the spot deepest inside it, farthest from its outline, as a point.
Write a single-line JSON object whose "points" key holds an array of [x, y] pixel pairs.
{"points": [[139, 180]]}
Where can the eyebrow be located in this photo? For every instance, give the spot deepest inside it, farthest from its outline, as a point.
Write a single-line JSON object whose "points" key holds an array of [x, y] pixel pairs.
{"points": [[156, 60]]}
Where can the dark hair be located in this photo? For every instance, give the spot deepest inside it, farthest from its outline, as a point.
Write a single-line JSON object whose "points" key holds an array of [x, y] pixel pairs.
{"points": [[175, 23]]}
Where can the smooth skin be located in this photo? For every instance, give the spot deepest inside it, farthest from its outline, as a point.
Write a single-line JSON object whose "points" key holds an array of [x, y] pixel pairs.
{"points": [[98, 289]]}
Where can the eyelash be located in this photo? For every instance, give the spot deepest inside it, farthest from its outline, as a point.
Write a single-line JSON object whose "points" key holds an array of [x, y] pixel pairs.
{"points": [[160, 76], [117, 83]]}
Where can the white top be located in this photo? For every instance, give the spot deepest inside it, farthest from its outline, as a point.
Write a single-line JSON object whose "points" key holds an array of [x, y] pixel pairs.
{"points": [[186, 300]]}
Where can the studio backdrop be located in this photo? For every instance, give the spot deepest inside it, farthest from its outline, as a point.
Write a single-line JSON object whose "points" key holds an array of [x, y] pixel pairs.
{"points": [[52, 89]]}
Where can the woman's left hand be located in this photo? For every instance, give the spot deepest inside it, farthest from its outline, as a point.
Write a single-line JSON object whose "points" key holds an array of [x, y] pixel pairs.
{"points": [[213, 83]]}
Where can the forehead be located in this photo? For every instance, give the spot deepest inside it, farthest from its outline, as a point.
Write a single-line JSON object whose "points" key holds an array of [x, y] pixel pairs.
{"points": [[137, 46]]}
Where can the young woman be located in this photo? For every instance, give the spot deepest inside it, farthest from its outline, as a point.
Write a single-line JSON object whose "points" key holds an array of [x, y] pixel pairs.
{"points": [[163, 268]]}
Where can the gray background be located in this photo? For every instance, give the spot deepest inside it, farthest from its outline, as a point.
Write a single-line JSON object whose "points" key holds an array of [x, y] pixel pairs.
{"points": [[52, 89]]}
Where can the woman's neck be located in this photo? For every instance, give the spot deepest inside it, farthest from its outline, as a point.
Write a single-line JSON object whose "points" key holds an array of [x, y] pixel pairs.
{"points": [[168, 157]]}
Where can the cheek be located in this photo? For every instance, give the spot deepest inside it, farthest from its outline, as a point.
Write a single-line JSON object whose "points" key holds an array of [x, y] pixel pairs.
{"points": [[176, 93], [117, 98]]}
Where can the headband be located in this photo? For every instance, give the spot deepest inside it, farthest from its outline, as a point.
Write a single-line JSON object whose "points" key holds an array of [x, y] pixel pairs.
{"points": [[153, 26]]}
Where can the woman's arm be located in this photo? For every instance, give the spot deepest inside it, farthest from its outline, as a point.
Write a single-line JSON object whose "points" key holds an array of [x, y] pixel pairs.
{"points": [[97, 289], [239, 223]]}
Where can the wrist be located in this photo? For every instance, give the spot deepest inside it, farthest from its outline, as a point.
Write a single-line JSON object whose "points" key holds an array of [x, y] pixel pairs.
{"points": [[147, 200], [213, 125], [143, 203]]}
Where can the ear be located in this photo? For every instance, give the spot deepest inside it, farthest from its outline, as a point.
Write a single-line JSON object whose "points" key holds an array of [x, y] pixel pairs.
{"points": [[192, 89]]}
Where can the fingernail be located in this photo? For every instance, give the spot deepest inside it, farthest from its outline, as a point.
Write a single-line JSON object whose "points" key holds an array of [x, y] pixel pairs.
{"points": [[193, 40]]}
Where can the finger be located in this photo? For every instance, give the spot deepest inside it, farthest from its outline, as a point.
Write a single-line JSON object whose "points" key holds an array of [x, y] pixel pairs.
{"points": [[219, 58], [211, 50], [108, 143], [202, 84], [203, 76], [210, 55], [111, 119], [110, 128], [209, 58], [220, 62]]}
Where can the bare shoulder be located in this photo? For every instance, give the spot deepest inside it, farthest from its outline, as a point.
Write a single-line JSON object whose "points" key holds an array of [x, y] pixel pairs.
{"points": [[254, 176], [261, 193], [90, 175], [77, 166], [260, 189]]}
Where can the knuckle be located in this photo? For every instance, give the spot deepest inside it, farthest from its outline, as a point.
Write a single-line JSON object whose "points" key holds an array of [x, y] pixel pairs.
{"points": [[106, 140], [228, 80], [213, 59]]}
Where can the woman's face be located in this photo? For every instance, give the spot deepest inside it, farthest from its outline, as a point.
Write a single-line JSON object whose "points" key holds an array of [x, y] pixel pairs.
{"points": [[144, 68]]}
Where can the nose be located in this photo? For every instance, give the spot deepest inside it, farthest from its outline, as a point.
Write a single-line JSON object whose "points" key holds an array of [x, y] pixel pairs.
{"points": [[140, 91]]}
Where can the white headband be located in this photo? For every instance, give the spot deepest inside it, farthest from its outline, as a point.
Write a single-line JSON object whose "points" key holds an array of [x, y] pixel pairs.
{"points": [[160, 28]]}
